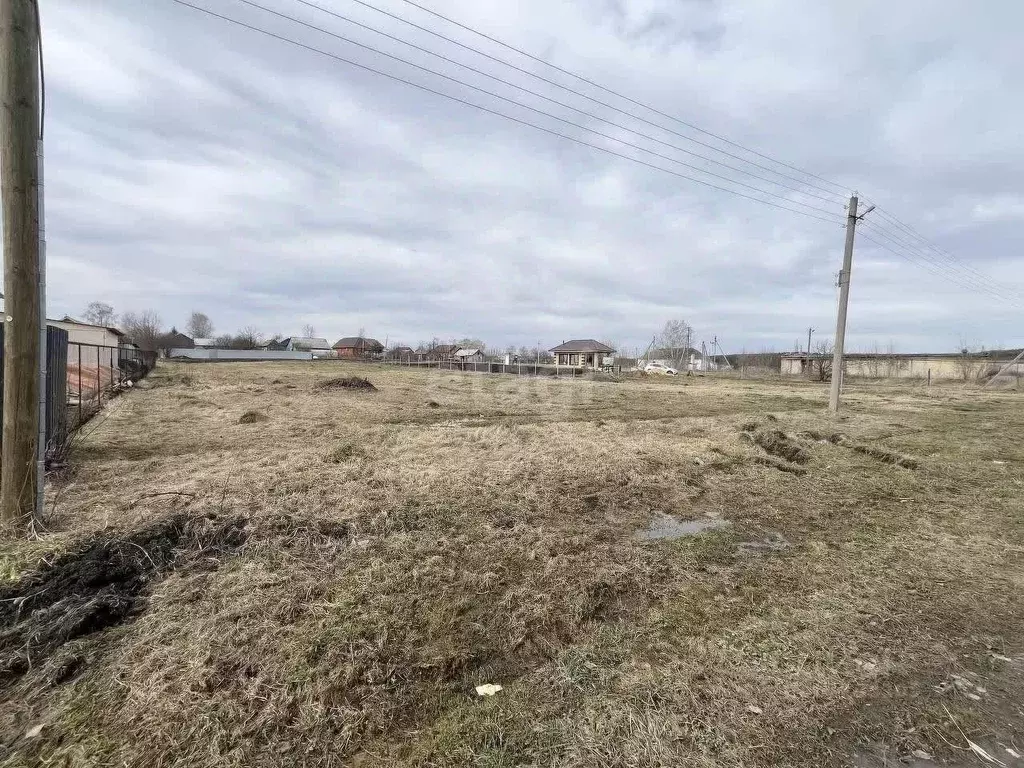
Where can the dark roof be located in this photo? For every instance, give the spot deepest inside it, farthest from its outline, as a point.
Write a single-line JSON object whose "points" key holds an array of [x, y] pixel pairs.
{"points": [[357, 342], [582, 345]]}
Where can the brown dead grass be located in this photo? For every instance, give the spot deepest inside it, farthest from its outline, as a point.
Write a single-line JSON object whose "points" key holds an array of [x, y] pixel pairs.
{"points": [[455, 530]]}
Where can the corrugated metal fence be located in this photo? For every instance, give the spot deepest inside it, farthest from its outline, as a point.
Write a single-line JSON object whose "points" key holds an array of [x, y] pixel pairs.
{"points": [[56, 386]]}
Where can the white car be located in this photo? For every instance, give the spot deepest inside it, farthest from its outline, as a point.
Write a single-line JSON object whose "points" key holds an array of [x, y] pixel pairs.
{"points": [[660, 368]]}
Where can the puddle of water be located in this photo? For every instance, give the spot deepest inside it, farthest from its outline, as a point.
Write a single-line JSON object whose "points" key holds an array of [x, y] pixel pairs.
{"points": [[667, 527]]}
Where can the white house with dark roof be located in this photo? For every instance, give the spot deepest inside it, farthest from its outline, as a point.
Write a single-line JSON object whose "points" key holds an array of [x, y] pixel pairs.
{"points": [[581, 353]]}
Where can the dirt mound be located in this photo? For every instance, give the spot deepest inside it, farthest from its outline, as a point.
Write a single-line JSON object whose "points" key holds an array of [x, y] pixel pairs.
{"points": [[101, 584], [889, 457], [778, 443], [782, 466], [253, 417], [346, 382]]}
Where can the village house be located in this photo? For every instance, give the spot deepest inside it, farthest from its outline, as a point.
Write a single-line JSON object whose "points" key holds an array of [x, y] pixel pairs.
{"points": [[311, 344], [581, 353], [176, 340], [356, 347], [401, 352], [443, 352], [470, 355]]}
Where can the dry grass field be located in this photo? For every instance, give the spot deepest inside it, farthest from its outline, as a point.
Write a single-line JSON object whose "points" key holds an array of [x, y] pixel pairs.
{"points": [[247, 566]]}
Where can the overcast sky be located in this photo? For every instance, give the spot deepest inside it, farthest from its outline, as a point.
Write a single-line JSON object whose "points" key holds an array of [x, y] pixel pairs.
{"points": [[194, 164]]}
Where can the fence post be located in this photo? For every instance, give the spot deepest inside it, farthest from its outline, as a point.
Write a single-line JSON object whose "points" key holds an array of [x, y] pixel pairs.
{"points": [[79, 385]]}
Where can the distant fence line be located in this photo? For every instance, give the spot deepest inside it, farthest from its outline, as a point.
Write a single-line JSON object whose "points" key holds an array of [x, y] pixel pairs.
{"points": [[532, 368], [236, 355]]}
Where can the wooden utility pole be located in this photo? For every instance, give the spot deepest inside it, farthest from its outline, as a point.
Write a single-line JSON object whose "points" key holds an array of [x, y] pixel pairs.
{"points": [[19, 179]]}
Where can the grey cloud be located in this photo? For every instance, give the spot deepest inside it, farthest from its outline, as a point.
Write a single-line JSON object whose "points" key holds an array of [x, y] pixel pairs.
{"points": [[197, 165]]}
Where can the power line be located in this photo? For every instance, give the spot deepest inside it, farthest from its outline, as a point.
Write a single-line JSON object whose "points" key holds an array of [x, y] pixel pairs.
{"points": [[509, 64], [615, 93], [917, 235], [521, 121], [983, 280], [929, 266], [510, 84], [973, 282], [492, 94]]}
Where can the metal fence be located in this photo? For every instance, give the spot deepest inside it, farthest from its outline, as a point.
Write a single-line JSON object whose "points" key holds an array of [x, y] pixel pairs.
{"points": [[79, 379], [95, 373], [56, 385], [525, 368]]}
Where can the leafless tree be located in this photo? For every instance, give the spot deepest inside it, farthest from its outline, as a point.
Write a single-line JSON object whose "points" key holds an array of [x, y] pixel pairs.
{"points": [[144, 328], [674, 343], [199, 326], [99, 313], [970, 364], [821, 361], [308, 331], [247, 338], [469, 343]]}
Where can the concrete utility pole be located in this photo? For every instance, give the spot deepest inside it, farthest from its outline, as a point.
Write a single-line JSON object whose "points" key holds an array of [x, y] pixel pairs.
{"points": [[19, 180], [809, 332], [844, 299]]}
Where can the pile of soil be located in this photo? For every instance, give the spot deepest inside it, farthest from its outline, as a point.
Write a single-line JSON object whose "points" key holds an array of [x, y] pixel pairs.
{"points": [[253, 417], [347, 382], [103, 583], [778, 443]]}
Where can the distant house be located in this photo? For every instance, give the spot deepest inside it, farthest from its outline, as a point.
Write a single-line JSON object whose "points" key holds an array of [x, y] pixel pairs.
{"points": [[443, 352], [204, 343], [400, 353], [358, 347], [581, 353], [176, 340], [97, 345], [87, 333], [318, 347], [469, 355]]}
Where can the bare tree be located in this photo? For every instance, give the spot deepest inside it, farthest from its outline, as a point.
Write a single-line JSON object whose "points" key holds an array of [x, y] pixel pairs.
{"points": [[144, 328], [674, 343], [970, 364], [468, 343], [308, 331], [821, 361], [199, 326], [247, 338], [99, 313]]}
